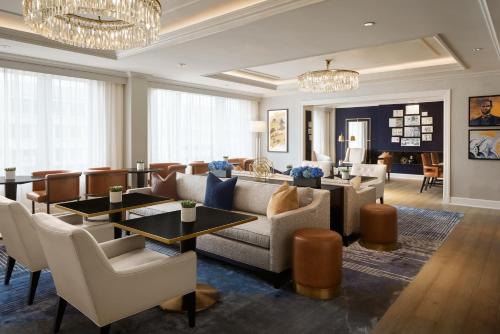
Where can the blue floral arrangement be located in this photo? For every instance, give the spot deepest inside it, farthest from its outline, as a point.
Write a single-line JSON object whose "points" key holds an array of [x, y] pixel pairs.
{"points": [[220, 165], [307, 172]]}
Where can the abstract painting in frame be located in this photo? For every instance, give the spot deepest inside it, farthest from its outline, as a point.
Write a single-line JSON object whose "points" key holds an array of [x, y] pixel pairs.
{"points": [[484, 110], [277, 125], [484, 144]]}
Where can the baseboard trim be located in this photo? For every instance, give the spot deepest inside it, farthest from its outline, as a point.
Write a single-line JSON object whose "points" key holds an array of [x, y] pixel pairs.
{"points": [[407, 176], [474, 202]]}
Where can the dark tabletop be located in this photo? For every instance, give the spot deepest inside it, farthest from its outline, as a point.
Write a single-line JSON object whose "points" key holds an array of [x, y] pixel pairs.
{"points": [[101, 206], [363, 178], [21, 179], [168, 228], [145, 170]]}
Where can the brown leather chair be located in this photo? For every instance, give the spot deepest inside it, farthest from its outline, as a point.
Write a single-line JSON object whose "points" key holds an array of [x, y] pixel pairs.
{"points": [[167, 168], [98, 181], [435, 158], [431, 173], [100, 168], [386, 159], [244, 163], [58, 186], [199, 167]]}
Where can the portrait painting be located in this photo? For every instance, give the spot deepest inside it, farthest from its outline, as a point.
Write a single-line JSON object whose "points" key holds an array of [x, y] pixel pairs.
{"points": [[484, 144], [277, 124], [484, 110]]}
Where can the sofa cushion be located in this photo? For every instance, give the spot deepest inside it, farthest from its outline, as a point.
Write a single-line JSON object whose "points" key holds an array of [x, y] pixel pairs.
{"points": [[255, 233], [166, 187], [285, 198], [191, 187], [219, 194]]}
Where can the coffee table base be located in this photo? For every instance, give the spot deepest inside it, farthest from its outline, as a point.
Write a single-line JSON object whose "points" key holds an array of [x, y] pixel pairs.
{"points": [[206, 297]]}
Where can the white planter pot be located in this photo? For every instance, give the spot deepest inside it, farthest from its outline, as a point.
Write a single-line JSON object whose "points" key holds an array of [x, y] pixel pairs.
{"points": [[10, 175], [115, 196], [345, 175], [140, 166], [188, 215], [226, 159]]}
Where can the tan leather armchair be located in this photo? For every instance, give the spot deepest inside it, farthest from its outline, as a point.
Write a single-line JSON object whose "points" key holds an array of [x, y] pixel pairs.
{"points": [[167, 168], [435, 158], [199, 167], [431, 173], [98, 181], [244, 163], [58, 186], [113, 280]]}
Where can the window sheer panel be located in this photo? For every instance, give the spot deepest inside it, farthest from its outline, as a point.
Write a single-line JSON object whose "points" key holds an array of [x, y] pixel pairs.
{"points": [[185, 127]]}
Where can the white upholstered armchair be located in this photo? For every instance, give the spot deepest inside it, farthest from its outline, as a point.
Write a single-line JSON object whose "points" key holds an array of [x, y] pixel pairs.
{"points": [[372, 170], [115, 279]]}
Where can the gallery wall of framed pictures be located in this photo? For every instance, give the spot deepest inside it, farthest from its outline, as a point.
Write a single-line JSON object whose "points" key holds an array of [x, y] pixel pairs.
{"points": [[484, 134], [411, 126]]}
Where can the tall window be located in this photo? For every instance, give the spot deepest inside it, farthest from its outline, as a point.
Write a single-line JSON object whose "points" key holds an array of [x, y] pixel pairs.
{"points": [[56, 122], [185, 127]]}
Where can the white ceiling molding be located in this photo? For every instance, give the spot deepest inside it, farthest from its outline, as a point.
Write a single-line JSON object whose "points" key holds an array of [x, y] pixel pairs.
{"points": [[24, 63], [246, 81], [438, 38], [222, 23], [489, 25], [185, 4]]}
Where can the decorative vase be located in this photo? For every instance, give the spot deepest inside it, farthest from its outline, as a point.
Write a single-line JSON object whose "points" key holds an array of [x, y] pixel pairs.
{"points": [[188, 215], [314, 182], [10, 174], [140, 166], [115, 197], [221, 173], [345, 175]]}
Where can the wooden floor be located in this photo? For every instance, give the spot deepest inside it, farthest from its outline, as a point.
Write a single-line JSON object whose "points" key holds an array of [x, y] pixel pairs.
{"points": [[458, 289]]}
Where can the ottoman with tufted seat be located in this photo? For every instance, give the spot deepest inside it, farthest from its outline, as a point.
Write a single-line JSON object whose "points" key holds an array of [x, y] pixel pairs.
{"points": [[317, 262], [379, 227]]}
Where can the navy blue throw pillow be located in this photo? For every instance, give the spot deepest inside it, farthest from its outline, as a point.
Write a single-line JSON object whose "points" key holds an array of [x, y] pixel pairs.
{"points": [[219, 194]]}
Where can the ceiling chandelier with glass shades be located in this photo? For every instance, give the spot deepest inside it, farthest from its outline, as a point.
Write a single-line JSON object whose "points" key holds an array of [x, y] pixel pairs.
{"points": [[95, 24], [328, 81]]}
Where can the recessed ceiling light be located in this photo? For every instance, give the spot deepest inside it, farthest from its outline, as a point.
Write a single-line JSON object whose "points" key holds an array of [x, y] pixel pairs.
{"points": [[369, 24], [477, 49]]}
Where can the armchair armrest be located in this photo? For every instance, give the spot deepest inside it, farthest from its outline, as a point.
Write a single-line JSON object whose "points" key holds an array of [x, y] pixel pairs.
{"points": [[113, 248], [145, 190]]}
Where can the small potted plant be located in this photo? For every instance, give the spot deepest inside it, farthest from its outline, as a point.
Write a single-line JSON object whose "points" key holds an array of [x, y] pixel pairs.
{"points": [[10, 173], [344, 172], [307, 177], [220, 168], [115, 194], [188, 211], [225, 158], [288, 169], [140, 164]]}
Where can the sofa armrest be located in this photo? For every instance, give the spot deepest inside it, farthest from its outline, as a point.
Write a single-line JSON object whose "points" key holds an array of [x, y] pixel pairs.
{"points": [[113, 248], [145, 190], [353, 201], [283, 226]]}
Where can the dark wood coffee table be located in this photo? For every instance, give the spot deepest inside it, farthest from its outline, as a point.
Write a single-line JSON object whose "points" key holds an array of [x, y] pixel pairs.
{"points": [[11, 184], [168, 228], [101, 206]]}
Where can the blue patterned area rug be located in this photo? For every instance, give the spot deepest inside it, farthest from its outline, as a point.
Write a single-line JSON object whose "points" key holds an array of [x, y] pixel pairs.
{"points": [[371, 283]]}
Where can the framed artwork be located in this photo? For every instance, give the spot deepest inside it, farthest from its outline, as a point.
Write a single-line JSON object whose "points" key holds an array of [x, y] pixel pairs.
{"points": [[427, 129], [397, 131], [425, 113], [412, 109], [484, 144], [410, 141], [394, 139], [412, 131], [277, 133], [395, 122], [484, 110], [426, 120], [412, 120], [397, 113], [426, 136]]}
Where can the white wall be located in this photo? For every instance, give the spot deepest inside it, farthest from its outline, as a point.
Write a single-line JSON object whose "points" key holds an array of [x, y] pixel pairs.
{"points": [[469, 178]]}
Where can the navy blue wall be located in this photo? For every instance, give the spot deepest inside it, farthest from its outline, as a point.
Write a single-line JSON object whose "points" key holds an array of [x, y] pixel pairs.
{"points": [[381, 133]]}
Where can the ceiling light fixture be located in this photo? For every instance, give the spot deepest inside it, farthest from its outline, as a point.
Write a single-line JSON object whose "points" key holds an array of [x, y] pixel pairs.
{"points": [[477, 49], [369, 24], [104, 25], [328, 81]]}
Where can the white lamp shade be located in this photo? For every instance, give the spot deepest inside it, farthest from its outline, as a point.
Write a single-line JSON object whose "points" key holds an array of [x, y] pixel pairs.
{"points": [[257, 126]]}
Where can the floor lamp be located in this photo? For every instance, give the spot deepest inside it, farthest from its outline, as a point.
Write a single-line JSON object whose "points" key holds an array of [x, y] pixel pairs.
{"points": [[257, 127]]}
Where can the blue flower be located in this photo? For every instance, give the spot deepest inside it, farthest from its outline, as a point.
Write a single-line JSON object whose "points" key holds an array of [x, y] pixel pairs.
{"points": [[220, 165], [307, 172]]}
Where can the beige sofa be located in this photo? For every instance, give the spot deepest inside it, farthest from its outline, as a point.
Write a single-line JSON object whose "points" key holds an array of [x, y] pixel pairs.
{"points": [[264, 243]]}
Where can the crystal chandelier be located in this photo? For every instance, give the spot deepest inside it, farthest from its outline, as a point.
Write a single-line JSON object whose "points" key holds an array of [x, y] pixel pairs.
{"points": [[328, 81], [95, 24]]}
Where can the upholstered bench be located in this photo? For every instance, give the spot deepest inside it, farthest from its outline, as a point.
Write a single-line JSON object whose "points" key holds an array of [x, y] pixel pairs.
{"points": [[317, 262], [379, 227]]}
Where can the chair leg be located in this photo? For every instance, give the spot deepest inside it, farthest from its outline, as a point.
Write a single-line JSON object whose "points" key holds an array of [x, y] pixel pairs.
{"points": [[431, 182], [382, 200], [33, 207], [61, 306], [190, 302], [8, 270], [388, 176], [423, 184], [48, 208], [34, 277], [105, 329], [427, 184]]}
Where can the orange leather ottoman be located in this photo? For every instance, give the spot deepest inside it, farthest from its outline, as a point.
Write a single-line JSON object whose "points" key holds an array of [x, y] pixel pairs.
{"points": [[317, 262], [379, 227]]}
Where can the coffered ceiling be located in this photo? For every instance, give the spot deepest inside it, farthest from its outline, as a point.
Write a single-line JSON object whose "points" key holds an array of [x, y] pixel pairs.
{"points": [[260, 46]]}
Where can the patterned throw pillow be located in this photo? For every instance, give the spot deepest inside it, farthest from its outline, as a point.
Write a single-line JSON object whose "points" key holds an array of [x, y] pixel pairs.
{"points": [[166, 187], [285, 198]]}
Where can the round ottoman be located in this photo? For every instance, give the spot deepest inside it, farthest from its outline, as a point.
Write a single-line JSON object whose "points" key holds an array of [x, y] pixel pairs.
{"points": [[317, 262], [379, 227]]}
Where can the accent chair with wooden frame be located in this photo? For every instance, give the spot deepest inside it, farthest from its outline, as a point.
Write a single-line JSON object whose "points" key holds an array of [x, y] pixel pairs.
{"points": [[431, 173], [199, 167], [167, 168], [98, 181]]}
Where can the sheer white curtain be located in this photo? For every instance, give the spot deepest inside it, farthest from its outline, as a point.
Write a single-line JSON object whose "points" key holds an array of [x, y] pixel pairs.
{"points": [[321, 131], [184, 127], [56, 122]]}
